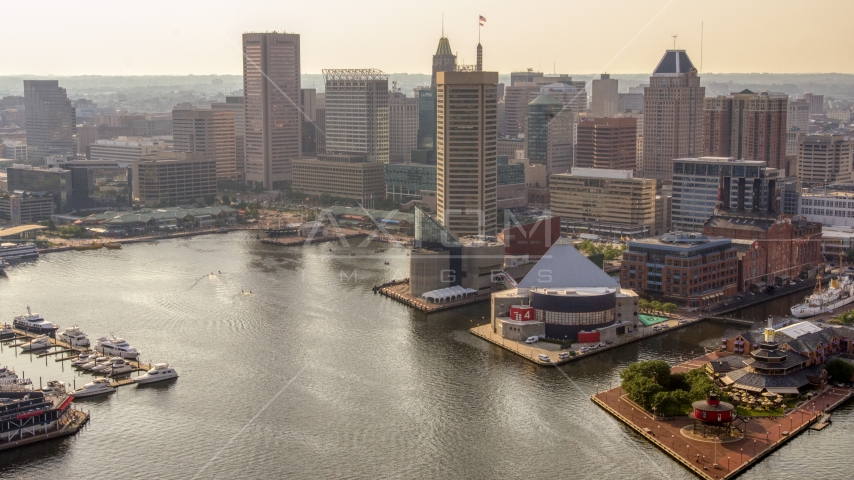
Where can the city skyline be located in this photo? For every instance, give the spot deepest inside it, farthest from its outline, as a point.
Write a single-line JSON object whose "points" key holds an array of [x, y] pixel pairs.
{"points": [[629, 37]]}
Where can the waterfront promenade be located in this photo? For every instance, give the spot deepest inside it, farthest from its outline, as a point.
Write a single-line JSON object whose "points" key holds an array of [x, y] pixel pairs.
{"points": [[552, 350], [719, 460]]}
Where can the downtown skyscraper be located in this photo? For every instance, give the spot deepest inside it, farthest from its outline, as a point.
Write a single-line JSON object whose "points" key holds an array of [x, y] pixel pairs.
{"points": [[271, 93], [673, 115], [466, 152], [50, 120], [357, 113]]}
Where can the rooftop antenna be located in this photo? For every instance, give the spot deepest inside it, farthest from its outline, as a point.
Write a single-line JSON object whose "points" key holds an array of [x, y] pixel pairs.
{"points": [[674, 40], [701, 47], [443, 24]]}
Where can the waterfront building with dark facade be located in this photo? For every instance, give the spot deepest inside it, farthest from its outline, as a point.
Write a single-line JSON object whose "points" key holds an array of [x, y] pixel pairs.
{"points": [[691, 270], [55, 181]]}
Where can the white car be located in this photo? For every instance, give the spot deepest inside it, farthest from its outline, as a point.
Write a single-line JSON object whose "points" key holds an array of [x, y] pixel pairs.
{"points": [[563, 355], [544, 358], [532, 339]]}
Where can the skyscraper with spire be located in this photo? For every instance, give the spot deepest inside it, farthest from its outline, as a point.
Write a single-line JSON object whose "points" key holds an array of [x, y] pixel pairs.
{"points": [[444, 60], [673, 115]]}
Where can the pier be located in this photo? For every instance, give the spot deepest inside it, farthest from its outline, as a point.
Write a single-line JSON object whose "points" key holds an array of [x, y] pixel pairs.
{"points": [[728, 459], [67, 352], [531, 351], [399, 290]]}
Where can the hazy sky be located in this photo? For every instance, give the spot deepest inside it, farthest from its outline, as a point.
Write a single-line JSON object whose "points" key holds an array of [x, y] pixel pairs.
{"points": [[138, 37]]}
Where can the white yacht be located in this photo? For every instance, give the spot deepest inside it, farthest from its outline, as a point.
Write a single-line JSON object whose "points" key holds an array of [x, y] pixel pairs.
{"points": [[74, 337], [103, 367], [34, 323], [84, 358], [7, 375], [160, 372], [100, 386], [119, 367], [39, 343], [116, 346], [95, 362], [54, 387]]}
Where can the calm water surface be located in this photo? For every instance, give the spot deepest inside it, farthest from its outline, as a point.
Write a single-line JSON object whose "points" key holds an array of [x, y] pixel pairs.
{"points": [[314, 376]]}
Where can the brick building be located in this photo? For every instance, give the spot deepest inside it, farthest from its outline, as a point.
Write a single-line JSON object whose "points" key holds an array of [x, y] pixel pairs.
{"points": [[533, 239], [690, 270], [779, 249]]}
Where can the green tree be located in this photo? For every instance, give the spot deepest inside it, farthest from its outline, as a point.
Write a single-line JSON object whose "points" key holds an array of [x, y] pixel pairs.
{"points": [[668, 307], [655, 305], [840, 371], [49, 223], [641, 390], [658, 370], [210, 199], [226, 200], [672, 402], [643, 305]]}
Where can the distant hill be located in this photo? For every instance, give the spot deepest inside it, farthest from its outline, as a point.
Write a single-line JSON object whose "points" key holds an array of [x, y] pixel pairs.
{"points": [[840, 86]]}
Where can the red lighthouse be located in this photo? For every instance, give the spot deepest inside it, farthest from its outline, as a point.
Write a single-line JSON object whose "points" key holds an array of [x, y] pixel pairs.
{"points": [[712, 417]]}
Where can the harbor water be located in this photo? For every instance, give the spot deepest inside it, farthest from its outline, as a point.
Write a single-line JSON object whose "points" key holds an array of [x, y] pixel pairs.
{"points": [[313, 376]]}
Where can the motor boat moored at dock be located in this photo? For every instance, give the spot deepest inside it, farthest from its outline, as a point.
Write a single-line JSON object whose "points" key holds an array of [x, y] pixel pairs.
{"points": [[160, 372], [41, 342], [116, 346], [100, 386], [74, 337], [34, 323]]}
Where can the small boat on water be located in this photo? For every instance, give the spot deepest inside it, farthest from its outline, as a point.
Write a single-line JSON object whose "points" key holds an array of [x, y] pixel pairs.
{"points": [[89, 246], [113, 245], [100, 386], [116, 346], [41, 342], [160, 372], [74, 337], [34, 323]]}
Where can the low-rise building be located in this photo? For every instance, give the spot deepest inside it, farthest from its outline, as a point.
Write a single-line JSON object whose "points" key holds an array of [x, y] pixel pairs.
{"points": [[125, 149], [604, 202], [174, 178], [405, 181], [689, 269], [26, 207], [340, 175]]}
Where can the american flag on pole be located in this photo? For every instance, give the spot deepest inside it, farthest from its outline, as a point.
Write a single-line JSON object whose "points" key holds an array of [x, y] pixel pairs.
{"points": [[482, 20]]}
